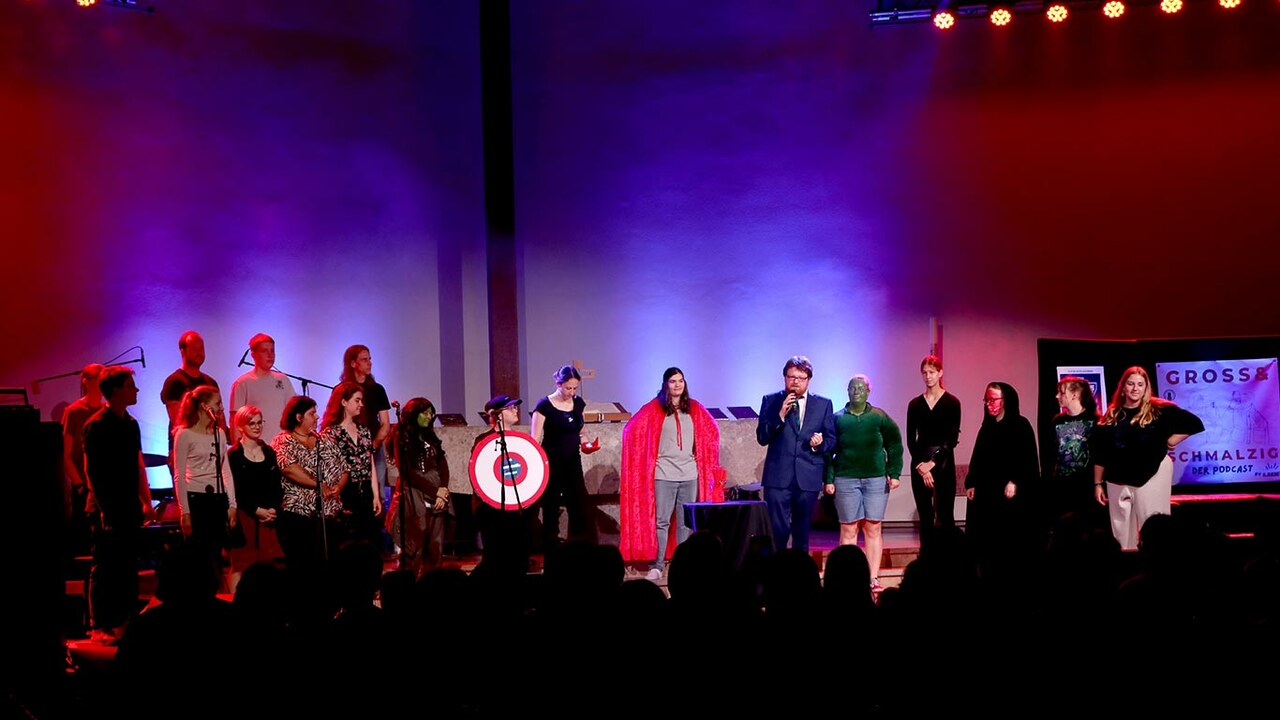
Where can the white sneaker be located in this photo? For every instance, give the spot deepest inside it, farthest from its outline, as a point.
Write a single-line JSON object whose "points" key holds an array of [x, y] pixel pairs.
{"points": [[654, 575]]}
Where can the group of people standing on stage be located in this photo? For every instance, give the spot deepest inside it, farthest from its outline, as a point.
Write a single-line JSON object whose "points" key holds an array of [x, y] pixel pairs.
{"points": [[1119, 461], [314, 483], [321, 479], [261, 495], [294, 493]]}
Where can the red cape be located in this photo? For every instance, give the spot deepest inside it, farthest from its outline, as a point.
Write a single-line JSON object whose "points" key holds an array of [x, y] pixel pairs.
{"points": [[640, 440]]}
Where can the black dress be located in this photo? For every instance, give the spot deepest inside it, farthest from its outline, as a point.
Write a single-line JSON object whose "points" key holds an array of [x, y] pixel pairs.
{"points": [[258, 485], [561, 437]]}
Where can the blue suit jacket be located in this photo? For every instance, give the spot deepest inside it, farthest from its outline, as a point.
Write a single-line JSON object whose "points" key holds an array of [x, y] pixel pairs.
{"points": [[789, 456]]}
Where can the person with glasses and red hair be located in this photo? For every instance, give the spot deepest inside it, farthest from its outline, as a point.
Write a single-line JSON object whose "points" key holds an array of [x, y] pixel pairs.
{"points": [[258, 487]]}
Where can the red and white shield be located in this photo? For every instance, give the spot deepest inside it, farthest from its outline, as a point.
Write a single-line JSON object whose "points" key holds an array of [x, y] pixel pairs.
{"points": [[521, 482]]}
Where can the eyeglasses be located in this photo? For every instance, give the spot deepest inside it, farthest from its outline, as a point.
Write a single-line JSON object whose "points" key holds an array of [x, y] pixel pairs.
{"points": [[256, 423], [797, 377]]}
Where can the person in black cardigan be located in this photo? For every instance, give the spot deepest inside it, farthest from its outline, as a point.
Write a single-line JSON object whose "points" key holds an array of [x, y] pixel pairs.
{"points": [[258, 491]]}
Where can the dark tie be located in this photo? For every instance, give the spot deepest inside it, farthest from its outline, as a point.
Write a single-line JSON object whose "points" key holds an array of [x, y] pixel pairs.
{"points": [[795, 410]]}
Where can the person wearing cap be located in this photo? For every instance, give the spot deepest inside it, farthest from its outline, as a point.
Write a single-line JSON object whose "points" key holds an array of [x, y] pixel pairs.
{"points": [[421, 499], [505, 534], [670, 456]]}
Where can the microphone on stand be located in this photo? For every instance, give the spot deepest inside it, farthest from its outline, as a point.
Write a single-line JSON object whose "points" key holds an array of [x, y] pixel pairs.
{"points": [[142, 356], [242, 359]]}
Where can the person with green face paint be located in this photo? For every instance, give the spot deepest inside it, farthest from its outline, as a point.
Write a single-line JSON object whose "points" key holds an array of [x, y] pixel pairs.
{"points": [[863, 470], [421, 499]]}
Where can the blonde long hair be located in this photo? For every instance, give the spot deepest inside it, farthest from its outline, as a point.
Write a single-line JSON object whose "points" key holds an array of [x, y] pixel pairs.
{"points": [[1148, 409], [189, 411]]}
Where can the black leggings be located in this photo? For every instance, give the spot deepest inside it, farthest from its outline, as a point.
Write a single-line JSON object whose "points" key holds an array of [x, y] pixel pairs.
{"points": [[937, 505], [564, 488]]}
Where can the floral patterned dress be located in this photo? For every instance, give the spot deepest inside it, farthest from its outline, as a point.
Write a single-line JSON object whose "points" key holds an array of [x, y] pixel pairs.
{"points": [[302, 500], [357, 496]]}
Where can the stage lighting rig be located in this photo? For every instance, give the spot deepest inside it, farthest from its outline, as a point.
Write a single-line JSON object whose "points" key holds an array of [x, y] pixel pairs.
{"points": [[946, 14], [117, 4]]}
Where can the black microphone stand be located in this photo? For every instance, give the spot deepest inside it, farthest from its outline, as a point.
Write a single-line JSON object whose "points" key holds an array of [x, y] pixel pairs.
{"points": [[35, 384], [510, 530], [304, 381], [322, 531], [220, 487], [401, 495], [506, 465]]}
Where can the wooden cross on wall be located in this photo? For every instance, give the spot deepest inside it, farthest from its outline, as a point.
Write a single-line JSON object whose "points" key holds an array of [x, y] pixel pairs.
{"points": [[584, 372]]}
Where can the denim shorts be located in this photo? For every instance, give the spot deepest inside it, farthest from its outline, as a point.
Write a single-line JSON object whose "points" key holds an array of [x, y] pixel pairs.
{"points": [[861, 498]]}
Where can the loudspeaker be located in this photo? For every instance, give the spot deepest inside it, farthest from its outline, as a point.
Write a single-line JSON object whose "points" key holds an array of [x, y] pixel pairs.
{"points": [[31, 545]]}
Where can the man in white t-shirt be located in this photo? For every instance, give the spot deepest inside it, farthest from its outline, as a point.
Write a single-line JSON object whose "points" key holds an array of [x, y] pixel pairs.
{"points": [[262, 387]]}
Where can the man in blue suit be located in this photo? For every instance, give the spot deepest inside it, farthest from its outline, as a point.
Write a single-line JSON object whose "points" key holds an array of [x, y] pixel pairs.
{"points": [[800, 432]]}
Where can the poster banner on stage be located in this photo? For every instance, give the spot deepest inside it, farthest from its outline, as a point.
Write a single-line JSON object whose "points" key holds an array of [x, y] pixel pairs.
{"points": [[1093, 374], [1239, 403]]}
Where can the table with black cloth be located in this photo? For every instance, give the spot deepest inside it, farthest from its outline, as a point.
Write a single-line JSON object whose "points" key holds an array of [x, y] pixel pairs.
{"points": [[735, 522]]}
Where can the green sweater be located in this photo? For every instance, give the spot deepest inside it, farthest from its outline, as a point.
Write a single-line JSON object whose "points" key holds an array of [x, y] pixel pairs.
{"points": [[867, 445]]}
